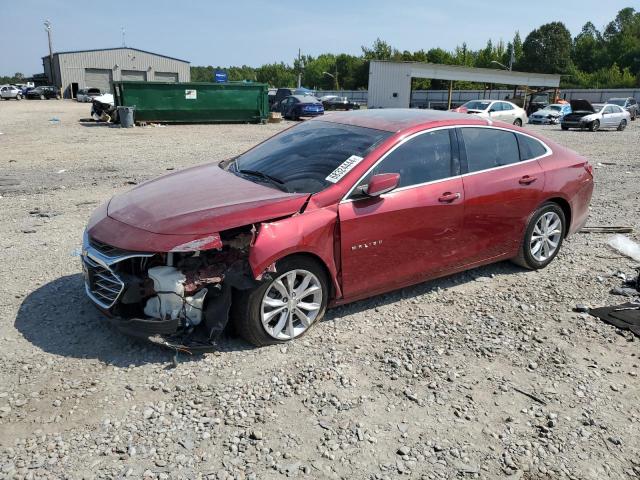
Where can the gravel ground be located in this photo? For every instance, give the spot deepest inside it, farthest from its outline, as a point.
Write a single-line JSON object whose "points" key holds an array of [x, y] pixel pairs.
{"points": [[425, 382]]}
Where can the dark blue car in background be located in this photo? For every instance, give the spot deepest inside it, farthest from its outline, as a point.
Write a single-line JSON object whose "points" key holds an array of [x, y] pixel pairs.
{"points": [[295, 107]]}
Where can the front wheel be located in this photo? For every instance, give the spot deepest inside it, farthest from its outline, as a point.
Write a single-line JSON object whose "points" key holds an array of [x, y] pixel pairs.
{"points": [[18, 97], [595, 126], [517, 122], [542, 238], [285, 307], [564, 127], [42, 97], [622, 126]]}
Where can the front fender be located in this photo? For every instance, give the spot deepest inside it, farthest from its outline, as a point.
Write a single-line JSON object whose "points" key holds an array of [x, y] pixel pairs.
{"points": [[313, 232]]}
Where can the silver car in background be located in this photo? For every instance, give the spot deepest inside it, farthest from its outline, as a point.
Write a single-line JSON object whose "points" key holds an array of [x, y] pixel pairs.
{"points": [[495, 110], [585, 115], [86, 95], [9, 92]]}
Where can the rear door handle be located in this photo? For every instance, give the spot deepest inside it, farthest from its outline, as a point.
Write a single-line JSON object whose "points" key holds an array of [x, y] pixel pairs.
{"points": [[527, 180], [448, 197]]}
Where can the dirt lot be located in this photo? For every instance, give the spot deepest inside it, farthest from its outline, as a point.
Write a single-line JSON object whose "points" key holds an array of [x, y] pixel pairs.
{"points": [[418, 383]]}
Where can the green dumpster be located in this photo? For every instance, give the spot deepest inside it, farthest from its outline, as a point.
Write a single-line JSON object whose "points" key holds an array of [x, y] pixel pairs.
{"points": [[170, 102]]}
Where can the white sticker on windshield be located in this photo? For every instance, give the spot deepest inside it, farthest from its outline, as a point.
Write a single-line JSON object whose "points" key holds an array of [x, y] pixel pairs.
{"points": [[344, 168]]}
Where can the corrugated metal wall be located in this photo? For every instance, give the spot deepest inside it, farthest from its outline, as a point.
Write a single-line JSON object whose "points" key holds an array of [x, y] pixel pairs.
{"points": [[73, 65]]}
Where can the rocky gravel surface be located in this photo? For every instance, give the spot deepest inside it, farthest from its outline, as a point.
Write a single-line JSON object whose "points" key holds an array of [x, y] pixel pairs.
{"points": [[484, 374]]}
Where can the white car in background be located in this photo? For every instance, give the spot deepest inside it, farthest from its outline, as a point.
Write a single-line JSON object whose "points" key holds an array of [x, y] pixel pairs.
{"points": [[86, 95], [8, 92], [495, 110]]}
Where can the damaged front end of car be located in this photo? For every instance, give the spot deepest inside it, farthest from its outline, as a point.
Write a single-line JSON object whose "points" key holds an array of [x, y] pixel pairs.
{"points": [[180, 299]]}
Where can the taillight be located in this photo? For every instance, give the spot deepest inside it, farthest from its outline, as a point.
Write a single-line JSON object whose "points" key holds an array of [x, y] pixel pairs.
{"points": [[588, 168]]}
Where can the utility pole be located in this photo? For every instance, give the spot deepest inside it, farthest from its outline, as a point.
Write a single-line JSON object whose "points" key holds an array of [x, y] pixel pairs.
{"points": [[47, 27], [299, 69]]}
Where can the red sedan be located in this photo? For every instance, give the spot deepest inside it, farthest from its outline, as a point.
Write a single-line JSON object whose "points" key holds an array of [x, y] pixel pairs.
{"points": [[327, 212]]}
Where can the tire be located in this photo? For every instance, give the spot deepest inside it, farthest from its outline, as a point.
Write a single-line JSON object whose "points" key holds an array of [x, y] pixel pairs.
{"points": [[532, 258], [594, 126], [248, 307], [564, 127], [42, 97], [622, 126], [517, 122], [18, 97], [58, 97]]}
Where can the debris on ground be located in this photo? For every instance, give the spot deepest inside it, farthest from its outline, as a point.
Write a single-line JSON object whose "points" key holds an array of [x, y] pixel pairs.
{"points": [[595, 229], [626, 246], [624, 317]]}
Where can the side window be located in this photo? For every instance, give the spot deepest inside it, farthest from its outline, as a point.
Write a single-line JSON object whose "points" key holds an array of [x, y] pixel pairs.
{"points": [[496, 107], [506, 106], [489, 148], [424, 158], [530, 148], [609, 109]]}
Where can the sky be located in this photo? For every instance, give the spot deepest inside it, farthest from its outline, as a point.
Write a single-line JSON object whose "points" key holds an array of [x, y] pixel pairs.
{"points": [[253, 32]]}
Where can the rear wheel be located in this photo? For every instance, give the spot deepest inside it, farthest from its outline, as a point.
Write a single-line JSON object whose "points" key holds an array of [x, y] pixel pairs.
{"points": [[517, 122], [542, 238], [622, 126], [564, 127], [286, 307], [595, 126]]}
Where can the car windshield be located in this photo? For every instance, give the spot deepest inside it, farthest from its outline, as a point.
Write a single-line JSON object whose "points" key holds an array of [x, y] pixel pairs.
{"points": [[477, 105], [597, 106], [617, 101], [301, 158], [555, 108]]}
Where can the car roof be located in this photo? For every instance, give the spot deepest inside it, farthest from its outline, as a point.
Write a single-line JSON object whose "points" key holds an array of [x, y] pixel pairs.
{"points": [[396, 119]]}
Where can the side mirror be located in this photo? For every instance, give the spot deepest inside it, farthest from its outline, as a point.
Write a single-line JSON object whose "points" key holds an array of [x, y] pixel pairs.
{"points": [[491, 110], [382, 183]]}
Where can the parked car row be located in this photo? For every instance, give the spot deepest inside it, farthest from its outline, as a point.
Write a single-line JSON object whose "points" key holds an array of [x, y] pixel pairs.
{"points": [[615, 113], [8, 92]]}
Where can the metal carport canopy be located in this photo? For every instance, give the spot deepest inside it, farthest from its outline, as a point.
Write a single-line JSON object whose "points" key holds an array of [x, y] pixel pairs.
{"points": [[390, 82]]}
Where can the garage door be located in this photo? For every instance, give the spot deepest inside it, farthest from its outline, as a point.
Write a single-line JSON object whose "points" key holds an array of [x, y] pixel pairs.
{"points": [[166, 77], [134, 75], [98, 78]]}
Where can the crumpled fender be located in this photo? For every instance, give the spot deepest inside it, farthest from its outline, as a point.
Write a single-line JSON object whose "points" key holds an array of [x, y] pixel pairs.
{"points": [[312, 232]]}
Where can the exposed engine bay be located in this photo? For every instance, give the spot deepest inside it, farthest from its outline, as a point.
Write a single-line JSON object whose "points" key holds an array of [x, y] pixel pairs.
{"points": [[179, 299]]}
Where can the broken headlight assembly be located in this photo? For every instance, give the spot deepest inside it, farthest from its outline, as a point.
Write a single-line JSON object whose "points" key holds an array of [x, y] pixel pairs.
{"points": [[180, 298]]}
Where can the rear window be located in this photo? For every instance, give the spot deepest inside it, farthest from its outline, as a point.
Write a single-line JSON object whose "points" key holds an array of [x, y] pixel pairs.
{"points": [[489, 148], [302, 157], [530, 147]]}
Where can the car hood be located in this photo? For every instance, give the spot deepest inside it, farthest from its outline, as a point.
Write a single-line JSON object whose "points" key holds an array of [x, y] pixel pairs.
{"points": [[201, 200], [581, 106]]}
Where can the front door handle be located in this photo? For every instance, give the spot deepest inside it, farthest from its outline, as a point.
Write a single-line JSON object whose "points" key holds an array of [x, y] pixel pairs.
{"points": [[527, 180], [448, 197]]}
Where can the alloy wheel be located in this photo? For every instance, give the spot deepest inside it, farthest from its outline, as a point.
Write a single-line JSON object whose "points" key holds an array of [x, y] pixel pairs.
{"points": [[545, 237], [622, 126], [291, 304]]}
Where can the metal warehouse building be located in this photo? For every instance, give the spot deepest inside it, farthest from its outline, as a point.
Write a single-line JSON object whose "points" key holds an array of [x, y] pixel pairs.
{"points": [[72, 71]]}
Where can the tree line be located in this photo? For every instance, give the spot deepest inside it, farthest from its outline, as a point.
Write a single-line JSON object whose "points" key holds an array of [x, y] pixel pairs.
{"points": [[592, 59], [608, 58]]}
